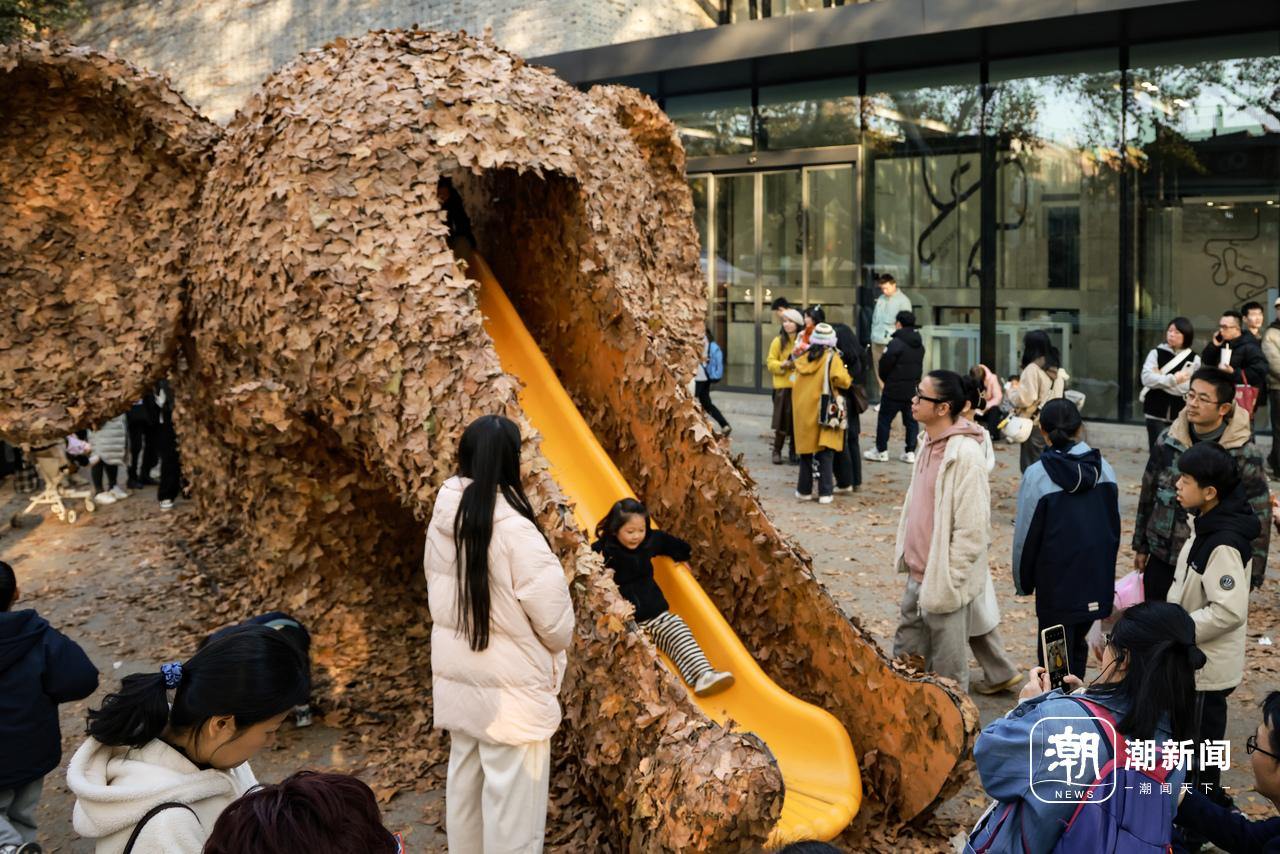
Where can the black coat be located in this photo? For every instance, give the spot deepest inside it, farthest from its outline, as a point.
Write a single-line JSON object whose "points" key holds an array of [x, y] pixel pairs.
{"points": [[902, 365], [1247, 360], [39, 668], [850, 352], [633, 569]]}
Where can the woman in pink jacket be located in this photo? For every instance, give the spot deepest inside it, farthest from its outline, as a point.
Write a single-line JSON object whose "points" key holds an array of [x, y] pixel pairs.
{"points": [[502, 620]]}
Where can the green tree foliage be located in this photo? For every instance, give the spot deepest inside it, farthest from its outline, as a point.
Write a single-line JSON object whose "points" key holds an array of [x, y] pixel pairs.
{"points": [[21, 19]]}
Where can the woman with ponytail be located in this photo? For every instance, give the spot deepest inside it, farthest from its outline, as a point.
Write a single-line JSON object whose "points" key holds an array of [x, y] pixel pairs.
{"points": [[170, 750], [1067, 532], [501, 622], [1145, 692]]}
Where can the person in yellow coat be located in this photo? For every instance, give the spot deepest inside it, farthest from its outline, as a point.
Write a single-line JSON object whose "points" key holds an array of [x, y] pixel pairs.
{"points": [[782, 370], [817, 445]]}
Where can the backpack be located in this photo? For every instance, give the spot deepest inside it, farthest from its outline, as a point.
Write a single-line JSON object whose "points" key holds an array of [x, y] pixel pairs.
{"points": [[715, 362], [1128, 821]]}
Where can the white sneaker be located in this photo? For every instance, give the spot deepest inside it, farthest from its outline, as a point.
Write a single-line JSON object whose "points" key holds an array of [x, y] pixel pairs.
{"points": [[167, 504], [844, 490], [119, 492], [875, 456], [826, 499], [908, 457], [801, 496], [104, 498], [713, 682]]}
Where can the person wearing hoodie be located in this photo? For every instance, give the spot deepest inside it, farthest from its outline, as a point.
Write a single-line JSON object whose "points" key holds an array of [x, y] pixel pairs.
{"points": [[502, 620], [39, 668], [817, 444], [900, 369], [1067, 533], [1160, 524], [109, 443], [1271, 350], [170, 750], [944, 530], [1166, 377], [1237, 353], [1211, 582], [1041, 381]]}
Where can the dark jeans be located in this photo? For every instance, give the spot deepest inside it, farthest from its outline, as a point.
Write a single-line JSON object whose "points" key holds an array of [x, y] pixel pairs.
{"points": [[848, 463], [889, 409], [1077, 645], [142, 447], [170, 464], [1156, 579], [822, 461], [1273, 459], [96, 473], [1211, 713], [702, 390]]}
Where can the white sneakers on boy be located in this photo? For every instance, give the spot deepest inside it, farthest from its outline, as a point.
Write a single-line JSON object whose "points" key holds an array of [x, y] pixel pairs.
{"points": [[104, 498], [908, 456], [800, 496], [875, 456], [713, 682], [826, 499], [167, 504], [119, 492]]}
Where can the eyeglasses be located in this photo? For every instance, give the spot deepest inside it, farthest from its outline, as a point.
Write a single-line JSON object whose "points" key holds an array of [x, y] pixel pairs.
{"points": [[1251, 746], [1192, 397], [919, 396], [1228, 326]]}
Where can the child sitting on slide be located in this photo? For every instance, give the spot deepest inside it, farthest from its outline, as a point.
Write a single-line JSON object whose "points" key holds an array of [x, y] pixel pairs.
{"points": [[628, 546]]}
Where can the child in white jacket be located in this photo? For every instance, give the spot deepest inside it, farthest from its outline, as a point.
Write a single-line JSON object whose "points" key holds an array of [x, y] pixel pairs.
{"points": [[159, 767], [501, 622]]}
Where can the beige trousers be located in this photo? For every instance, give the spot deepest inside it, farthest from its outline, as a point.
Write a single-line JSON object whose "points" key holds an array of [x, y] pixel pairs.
{"points": [[496, 796], [877, 351]]}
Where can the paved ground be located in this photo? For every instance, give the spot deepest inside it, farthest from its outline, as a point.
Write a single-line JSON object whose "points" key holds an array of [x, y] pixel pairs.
{"points": [[120, 583]]}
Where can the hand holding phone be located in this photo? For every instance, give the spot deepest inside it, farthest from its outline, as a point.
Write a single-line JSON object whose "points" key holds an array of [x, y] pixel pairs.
{"points": [[1053, 643]]}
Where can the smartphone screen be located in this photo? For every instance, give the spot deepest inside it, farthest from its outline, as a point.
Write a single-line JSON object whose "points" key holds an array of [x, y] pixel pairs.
{"points": [[1053, 641]]}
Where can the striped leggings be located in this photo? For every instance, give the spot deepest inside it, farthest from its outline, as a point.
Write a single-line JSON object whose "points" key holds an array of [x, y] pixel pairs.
{"points": [[671, 635]]}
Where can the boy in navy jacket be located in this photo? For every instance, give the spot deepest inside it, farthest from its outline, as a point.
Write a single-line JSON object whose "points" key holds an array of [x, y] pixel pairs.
{"points": [[39, 668]]}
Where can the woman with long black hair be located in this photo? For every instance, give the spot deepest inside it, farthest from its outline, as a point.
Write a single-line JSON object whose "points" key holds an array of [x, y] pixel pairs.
{"points": [[501, 622], [1145, 693], [1042, 380], [154, 775]]}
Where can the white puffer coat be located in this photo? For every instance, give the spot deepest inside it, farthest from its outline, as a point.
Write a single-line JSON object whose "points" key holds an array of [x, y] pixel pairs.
{"points": [[110, 441], [508, 692]]}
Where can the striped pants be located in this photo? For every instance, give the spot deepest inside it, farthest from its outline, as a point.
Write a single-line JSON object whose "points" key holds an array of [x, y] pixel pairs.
{"points": [[670, 634]]}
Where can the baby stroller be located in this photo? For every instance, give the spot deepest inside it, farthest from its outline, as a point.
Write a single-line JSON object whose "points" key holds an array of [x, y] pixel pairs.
{"points": [[49, 462]]}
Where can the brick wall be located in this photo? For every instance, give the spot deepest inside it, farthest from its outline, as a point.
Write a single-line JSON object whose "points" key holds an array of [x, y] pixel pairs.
{"points": [[216, 51]]}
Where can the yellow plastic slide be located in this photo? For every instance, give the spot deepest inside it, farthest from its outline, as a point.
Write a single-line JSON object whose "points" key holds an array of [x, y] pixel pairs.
{"points": [[812, 748]]}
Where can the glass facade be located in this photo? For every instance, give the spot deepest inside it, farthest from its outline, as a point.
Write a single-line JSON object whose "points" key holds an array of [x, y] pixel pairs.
{"points": [[1093, 194]]}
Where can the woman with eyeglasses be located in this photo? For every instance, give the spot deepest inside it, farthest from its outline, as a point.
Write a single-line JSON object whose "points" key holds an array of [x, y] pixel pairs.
{"points": [[1225, 828], [1166, 377], [1144, 693]]}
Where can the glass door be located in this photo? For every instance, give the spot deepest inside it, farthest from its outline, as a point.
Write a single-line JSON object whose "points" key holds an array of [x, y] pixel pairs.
{"points": [[783, 233]]}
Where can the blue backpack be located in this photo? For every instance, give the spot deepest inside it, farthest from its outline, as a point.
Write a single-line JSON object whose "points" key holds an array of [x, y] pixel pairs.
{"points": [[715, 362], [1128, 821]]}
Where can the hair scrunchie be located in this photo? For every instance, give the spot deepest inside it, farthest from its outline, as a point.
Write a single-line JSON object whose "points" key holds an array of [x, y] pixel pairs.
{"points": [[172, 673]]}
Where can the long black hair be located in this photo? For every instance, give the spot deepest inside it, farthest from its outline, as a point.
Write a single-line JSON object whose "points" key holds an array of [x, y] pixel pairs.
{"points": [[1061, 420], [251, 672], [955, 390], [1036, 345], [488, 454], [1157, 643], [618, 515]]}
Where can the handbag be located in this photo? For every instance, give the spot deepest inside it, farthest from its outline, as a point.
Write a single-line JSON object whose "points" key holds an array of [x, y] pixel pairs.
{"points": [[833, 412], [860, 400], [1247, 397]]}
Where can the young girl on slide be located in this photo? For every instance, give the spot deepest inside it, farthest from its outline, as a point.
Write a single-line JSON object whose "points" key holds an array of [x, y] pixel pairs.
{"points": [[628, 546]]}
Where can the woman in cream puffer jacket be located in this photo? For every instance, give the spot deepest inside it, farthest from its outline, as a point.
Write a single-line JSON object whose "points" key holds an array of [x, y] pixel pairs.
{"points": [[500, 627]]}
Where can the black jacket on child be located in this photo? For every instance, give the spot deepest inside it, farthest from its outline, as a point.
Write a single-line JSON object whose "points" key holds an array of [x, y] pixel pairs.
{"points": [[633, 569], [902, 365], [39, 668]]}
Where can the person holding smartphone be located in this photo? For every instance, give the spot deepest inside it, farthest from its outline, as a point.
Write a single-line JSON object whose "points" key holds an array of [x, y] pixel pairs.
{"points": [[1067, 533]]}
